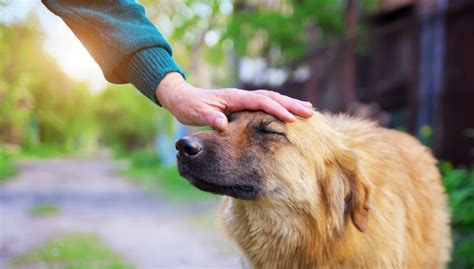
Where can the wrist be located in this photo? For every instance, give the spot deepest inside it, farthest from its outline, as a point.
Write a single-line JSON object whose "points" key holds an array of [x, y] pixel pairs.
{"points": [[169, 87]]}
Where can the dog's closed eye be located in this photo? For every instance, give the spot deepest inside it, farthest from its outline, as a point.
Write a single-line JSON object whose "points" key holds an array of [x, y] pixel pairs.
{"points": [[270, 128]]}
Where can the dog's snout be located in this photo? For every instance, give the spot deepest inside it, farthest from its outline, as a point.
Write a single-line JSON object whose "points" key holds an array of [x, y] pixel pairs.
{"points": [[189, 147]]}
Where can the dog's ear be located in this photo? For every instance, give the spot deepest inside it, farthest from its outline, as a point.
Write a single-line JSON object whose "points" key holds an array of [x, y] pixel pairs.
{"points": [[345, 192], [357, 197], [357, 202]]}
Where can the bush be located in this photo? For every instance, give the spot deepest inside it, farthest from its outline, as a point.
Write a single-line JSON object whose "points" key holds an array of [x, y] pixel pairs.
{"points": [[459, 184], [144, 159], [127, 121]]}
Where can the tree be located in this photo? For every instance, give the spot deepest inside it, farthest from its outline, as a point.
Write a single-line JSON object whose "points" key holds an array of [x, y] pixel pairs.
{"points": [[39, 100]]}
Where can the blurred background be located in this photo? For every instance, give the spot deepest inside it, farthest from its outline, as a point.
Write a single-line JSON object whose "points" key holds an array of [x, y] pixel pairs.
{"points": [[87, 168]]}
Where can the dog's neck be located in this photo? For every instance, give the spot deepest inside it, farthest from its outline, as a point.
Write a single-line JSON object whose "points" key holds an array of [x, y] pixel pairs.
{"points": [[264, 230]]}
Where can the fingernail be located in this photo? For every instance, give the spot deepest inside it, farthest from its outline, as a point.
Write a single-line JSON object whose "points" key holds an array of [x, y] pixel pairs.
{"points": [[291, 117], [220, 123]]}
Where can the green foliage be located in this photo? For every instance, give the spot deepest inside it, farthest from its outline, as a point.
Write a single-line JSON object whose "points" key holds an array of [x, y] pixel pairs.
{"points": [[72, 251], [257, 29], [46, 113], [38, 102], [279, 31], [459, 184], [143, 159], [126, 119], [369, 6], [425, 134], [145, 169], [45, 209], [7, 168]]}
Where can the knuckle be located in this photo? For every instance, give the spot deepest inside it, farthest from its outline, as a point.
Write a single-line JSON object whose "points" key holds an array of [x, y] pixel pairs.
{"points": [[263, 92], [274, 94], [265, 99], [261, 103]]}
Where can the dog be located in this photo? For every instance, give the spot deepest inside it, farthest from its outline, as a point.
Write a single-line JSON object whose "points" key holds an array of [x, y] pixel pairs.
{"points": [[326, 192]]}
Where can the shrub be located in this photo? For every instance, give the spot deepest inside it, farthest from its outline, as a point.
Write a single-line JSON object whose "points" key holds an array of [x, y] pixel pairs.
{"points": [[127, 121], [459, 185]]}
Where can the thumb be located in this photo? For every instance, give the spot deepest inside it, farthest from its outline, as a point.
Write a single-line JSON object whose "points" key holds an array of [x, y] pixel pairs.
{"points": [[217, 120]]}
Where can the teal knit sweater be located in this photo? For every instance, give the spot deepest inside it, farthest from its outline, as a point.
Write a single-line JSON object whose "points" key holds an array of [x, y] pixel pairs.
{"points": [[118, 35]]}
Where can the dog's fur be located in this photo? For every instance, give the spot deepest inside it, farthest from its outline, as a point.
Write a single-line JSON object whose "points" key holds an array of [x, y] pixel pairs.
{"points": [[327, 192]]}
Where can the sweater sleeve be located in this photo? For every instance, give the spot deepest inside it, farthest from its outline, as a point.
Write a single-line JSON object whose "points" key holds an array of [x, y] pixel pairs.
{"points": [[121, 39]]}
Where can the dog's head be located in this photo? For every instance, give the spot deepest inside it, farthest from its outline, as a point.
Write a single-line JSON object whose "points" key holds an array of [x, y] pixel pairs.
{"points": [[259, 158]]}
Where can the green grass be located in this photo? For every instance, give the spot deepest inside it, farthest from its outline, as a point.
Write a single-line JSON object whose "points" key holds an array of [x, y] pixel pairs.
{"points": [[43, 151], [167, 181], [145, 169], [8, 157], [7, 167], [72, 251], [44, 209]]}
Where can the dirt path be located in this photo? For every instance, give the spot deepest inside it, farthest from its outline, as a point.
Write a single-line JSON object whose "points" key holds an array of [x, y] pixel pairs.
{"points": [[148, 231]]}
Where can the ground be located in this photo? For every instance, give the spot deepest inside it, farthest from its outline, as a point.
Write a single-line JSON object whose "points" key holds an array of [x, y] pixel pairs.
{"points": [[59, 196]]}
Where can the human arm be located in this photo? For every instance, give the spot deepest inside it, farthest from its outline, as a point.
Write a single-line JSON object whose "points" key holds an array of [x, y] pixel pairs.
{"points": [[121, 39], [129, 49]]}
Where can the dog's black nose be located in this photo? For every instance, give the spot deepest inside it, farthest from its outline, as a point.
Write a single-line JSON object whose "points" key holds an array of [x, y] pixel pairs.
{"points": [[188, 146]]}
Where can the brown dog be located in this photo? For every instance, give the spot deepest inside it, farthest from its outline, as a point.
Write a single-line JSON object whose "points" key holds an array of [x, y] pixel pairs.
{"points": [[327, 192]]}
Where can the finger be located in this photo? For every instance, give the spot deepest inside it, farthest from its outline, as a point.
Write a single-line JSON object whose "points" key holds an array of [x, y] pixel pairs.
{"points": [[274, 94], [217, 120], [305, 103], [297, 107], [292, 104], [253, 101]]}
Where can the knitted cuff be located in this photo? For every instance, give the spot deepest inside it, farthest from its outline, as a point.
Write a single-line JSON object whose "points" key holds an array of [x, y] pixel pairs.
{"points": [[147, 67]]}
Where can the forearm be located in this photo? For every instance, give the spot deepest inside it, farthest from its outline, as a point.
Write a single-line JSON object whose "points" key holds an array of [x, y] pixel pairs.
{"points": [[129, 48], [125, 44]]}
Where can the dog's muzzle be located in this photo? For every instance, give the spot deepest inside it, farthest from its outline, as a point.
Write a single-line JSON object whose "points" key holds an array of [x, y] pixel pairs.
{"points": [[199, 163]]}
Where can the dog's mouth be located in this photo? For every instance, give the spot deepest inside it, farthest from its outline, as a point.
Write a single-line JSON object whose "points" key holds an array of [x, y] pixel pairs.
{"points": [[239, 191]]}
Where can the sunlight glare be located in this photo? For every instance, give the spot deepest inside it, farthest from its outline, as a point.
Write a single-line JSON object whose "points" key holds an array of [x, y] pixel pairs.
{"points": [[71, 55]]}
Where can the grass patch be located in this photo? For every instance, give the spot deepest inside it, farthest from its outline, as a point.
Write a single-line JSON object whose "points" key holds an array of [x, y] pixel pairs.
{"points": [[7, 167], [9, 156], [72, 251], [45, 209], [44, 151], [145, 169]]}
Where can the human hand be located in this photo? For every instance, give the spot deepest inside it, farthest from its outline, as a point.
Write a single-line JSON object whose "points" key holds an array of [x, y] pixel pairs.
{"points": [[197, 106]]}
